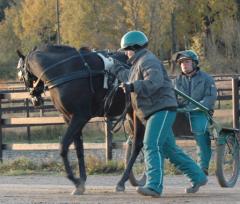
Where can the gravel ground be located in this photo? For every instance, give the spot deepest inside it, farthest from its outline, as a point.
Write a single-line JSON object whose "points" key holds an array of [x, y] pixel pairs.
{"points": [[100, 190], [54, 155], [117, 154]]}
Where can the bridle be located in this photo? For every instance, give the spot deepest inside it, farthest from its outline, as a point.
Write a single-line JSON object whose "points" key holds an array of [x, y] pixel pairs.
{"points": [[28, 78]]}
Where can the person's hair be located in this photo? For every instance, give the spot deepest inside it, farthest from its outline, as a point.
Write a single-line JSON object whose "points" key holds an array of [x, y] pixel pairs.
{"points": [[136, 47]]}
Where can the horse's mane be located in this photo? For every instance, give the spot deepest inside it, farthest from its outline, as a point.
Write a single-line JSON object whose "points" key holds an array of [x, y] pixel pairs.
{"points": [[46, 55], [55, 48]]}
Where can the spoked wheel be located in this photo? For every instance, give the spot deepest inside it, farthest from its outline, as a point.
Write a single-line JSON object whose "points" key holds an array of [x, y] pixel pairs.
{"points": [[227, 157], [137, 175]]}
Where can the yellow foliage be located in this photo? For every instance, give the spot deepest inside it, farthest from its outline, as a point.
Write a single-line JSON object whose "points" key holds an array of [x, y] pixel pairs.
{"points": [[38, 20], [102, 23]]}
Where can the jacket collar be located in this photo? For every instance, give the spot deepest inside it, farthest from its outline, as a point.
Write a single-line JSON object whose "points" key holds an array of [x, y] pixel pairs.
{"points": [[137, 55]]}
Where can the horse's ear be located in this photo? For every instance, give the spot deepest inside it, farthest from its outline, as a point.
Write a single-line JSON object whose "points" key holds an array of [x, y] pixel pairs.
{"points": [[20, 54]]}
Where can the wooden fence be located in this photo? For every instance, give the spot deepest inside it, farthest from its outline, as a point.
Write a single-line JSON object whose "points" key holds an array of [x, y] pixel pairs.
{"points": [[227, 90], [20, 96]]}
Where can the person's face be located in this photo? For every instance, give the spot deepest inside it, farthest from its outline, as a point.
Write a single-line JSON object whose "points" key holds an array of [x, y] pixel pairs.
{"points": [[186, 66], [129, 53]]}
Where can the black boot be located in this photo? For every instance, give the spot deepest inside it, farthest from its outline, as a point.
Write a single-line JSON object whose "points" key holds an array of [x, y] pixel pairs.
{"points": [[196, 186], [147, 192]]}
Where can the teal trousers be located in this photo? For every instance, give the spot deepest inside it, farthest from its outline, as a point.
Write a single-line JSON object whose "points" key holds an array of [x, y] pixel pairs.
{"points": [[159, 143], [199, 127]]}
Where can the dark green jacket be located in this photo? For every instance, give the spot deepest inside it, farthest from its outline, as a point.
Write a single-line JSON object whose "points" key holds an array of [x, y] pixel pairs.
{"points": [[153, 90], [201, 87]]}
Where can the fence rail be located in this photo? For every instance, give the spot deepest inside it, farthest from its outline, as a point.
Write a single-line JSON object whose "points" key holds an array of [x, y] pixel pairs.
{"points": [[20, 100], [16, 100]]}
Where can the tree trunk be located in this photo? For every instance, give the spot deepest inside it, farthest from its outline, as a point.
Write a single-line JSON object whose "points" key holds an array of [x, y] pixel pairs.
{"points": [[174, 40]]}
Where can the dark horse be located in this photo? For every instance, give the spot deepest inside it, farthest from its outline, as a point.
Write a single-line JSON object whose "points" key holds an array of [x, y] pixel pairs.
{"points": [[75, 82]]}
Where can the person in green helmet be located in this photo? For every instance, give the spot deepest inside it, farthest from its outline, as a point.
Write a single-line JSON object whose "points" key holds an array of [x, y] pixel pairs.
{"points": [[201, 87], [154, 102]]}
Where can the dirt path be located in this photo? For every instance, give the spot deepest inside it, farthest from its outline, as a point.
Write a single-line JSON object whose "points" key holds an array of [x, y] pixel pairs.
{"points": [[100, 190]]}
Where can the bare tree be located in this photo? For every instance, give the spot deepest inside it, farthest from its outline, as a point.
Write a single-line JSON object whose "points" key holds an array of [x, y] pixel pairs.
{"points": [[224, 54]]}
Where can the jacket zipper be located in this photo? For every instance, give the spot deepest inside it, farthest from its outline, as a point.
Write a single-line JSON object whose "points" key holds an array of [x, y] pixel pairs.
{"points": [[189, 87]]}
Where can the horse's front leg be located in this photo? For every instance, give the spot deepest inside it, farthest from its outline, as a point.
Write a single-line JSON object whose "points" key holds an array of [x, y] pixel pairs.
{"points": [[138, 130], [74, 130]]}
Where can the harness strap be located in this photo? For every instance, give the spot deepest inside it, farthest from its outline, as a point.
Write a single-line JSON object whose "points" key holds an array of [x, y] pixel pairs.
{"points": [[52, 66], [72, 76], [90, 72], [75, 75]]}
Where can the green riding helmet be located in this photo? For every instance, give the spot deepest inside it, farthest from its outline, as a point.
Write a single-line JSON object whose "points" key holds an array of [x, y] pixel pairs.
{"points": [[187, 54], [133, 39]]}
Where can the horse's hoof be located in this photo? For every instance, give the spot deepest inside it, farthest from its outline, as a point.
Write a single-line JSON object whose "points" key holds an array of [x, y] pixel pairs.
{"points": [[120, 188], [79, 190]]}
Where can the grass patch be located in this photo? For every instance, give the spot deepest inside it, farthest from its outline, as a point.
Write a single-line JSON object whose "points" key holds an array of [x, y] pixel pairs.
{"points": [[96, 166], [170, 169], [93, 132], [24, 166], [18, 167]]}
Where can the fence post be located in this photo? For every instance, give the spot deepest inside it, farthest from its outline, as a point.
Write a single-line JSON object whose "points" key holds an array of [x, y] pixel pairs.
{"points": [[1, 136], [28, 127], [235, 102], [108, 139], [219, 101]]}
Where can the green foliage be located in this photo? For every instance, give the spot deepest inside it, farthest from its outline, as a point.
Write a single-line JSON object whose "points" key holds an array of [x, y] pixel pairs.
{"points": [[8, 43], [3, 5]]}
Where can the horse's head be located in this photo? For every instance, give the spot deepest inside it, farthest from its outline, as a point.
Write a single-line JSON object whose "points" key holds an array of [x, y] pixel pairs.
{"points": [[25, 75]]}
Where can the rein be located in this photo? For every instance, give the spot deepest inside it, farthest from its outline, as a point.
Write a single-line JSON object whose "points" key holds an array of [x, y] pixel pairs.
{"points": [[107, 104]]}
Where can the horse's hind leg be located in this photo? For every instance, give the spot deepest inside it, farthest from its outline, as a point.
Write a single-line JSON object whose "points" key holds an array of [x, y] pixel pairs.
{"points": [[78, 142], [137, 146], [73, 131]]}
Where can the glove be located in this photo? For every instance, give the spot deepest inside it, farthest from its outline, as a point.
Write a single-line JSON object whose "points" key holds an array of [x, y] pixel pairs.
{"points": [[211, 112], [127, 87]]}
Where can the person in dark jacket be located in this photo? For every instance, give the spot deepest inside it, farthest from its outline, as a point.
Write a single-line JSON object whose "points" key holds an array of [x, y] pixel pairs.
{"points": [[201, 87], [154, 102]]}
